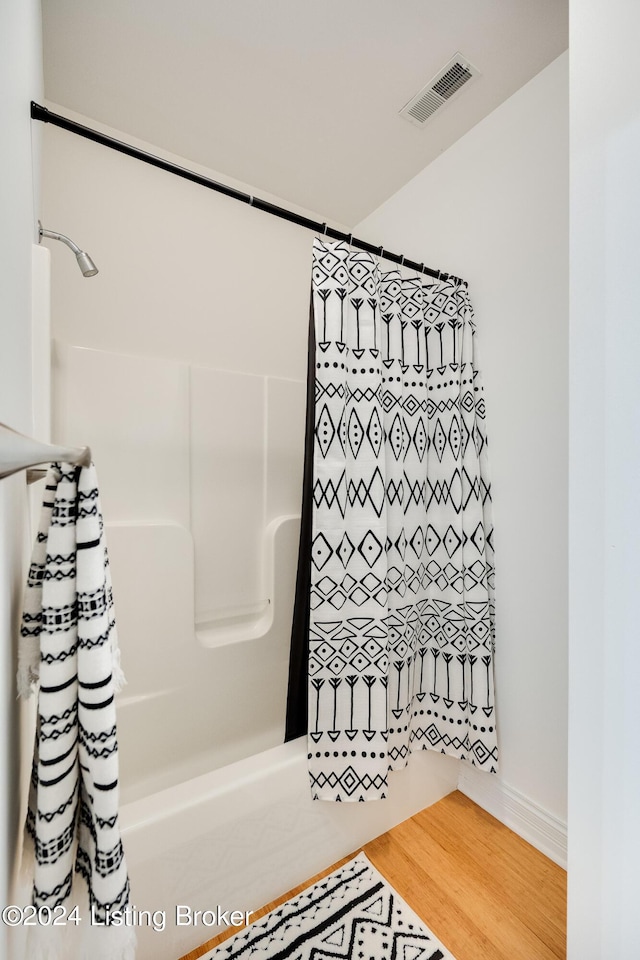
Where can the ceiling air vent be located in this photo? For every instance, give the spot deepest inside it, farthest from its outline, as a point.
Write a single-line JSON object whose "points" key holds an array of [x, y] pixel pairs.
{"points": [[441, 89]]}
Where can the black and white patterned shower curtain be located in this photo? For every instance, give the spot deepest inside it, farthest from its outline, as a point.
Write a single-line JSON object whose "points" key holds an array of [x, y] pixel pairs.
{"points": [[401, 632]]}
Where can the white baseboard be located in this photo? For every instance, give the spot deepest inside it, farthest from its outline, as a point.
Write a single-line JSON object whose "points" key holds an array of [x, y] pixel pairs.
{"points": [[541, 829]]}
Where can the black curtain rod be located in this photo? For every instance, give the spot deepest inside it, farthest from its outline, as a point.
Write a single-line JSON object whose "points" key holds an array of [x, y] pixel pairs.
{"points": [[47, 116]]}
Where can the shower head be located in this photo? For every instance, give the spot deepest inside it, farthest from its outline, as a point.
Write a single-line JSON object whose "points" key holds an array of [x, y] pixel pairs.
{"points": [[85, 262]]}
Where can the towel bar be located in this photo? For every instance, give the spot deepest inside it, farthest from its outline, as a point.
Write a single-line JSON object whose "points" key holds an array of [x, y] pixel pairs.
{"points": [[18, 452]]}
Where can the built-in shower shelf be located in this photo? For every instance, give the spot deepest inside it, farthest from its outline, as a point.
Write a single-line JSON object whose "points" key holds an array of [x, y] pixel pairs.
{"points": [[233, 616], [273, 614], [218, 631]]}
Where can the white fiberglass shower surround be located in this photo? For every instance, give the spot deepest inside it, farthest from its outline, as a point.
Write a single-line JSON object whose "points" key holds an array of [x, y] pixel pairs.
{"points": [[184, 371]]}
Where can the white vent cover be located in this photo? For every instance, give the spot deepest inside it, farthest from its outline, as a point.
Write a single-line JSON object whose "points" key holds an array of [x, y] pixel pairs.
{"points": [[441, 89]]}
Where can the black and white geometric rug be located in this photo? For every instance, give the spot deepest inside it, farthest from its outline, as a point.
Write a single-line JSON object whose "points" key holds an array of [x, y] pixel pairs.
{"points": [[352, 914]]}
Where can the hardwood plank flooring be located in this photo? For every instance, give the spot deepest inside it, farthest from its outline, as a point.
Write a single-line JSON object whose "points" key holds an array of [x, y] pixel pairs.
{"points": [[481, 889]]}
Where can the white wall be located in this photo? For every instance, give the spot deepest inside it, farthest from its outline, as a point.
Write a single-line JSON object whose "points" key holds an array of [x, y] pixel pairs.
{"points": [[604, 718], [494, 209], [20, 82]]}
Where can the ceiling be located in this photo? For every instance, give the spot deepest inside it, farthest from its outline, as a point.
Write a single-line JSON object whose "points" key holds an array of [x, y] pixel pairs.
{"points": [[297, 98]]}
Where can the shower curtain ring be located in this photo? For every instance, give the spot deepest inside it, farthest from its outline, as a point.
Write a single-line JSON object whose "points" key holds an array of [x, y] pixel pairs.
{"points": [[324, 232]]}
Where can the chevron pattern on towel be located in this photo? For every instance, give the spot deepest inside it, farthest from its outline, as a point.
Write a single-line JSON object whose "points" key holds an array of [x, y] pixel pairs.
{"points": [[69, 650]]}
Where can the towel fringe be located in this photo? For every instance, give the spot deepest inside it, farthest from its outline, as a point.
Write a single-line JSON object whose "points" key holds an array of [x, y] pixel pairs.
{"points": [[48, 942], [28, 666], [107, 943], [27, 860], [119, 679], [86, 941]]}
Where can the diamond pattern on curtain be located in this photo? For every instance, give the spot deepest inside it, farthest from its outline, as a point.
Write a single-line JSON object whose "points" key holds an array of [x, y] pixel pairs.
{"points": [[401, 633]]}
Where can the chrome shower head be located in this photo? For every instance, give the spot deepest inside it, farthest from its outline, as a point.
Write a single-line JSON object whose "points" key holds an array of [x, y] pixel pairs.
{"points": [[85, 262]]}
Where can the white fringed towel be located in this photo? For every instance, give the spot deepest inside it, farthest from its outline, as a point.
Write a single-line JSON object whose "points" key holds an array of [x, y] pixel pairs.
{"points": [[69, 649]]}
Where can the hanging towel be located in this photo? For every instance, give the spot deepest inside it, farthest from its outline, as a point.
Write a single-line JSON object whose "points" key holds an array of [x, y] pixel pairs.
{"points": [[69, 650]]}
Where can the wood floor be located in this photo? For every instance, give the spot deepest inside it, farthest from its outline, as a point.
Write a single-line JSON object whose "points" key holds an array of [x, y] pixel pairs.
{"points": [[482, 890]]}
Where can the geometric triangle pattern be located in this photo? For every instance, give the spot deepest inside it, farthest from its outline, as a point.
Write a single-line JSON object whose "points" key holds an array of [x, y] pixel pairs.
{"points": [[402, 639], [352, 914]]}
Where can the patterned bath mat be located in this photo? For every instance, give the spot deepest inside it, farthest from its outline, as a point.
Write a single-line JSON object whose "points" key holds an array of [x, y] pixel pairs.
{"points": [[352, 914]]}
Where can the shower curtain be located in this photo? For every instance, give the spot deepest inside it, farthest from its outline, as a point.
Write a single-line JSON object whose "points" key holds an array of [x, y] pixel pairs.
{"points": [[400, 565]]}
